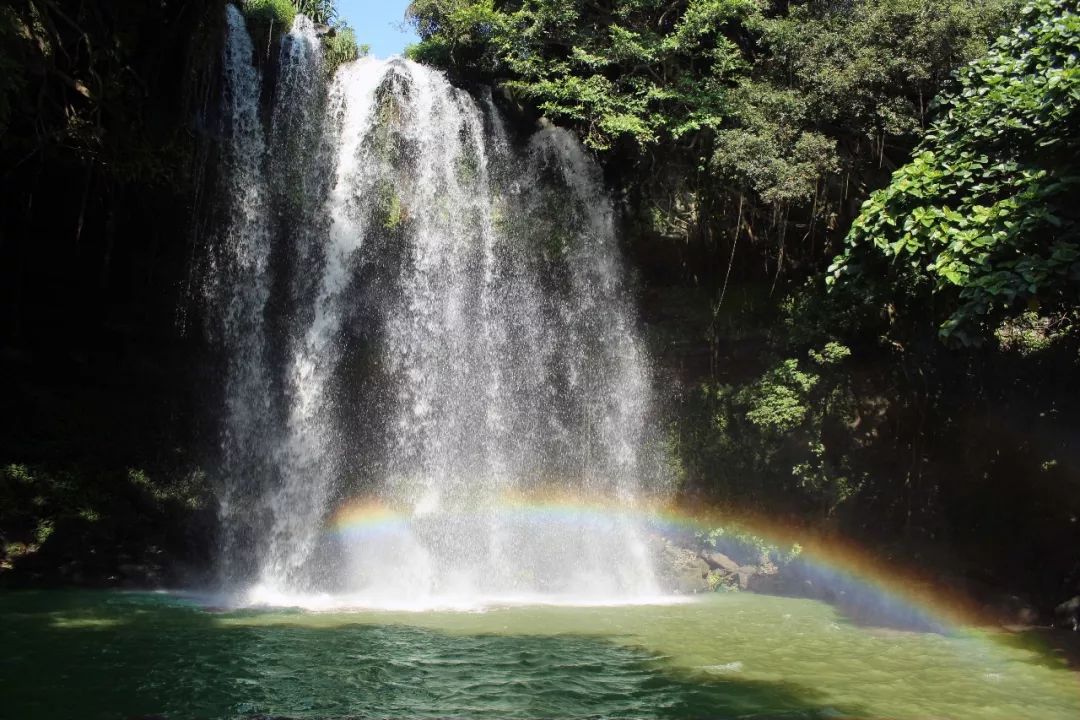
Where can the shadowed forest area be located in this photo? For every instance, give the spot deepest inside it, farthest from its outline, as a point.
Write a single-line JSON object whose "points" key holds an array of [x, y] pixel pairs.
{"points": [[853, 228]]}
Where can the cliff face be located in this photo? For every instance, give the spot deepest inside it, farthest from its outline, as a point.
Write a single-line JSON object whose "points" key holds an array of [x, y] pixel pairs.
{"points": [[107, 125]]}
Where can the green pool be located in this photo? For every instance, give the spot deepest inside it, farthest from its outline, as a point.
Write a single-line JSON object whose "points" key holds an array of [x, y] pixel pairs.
{"points": [[121, 655]]}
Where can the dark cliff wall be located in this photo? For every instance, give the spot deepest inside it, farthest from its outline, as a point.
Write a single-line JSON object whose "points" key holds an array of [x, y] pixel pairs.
{"points": [[107, 141]]}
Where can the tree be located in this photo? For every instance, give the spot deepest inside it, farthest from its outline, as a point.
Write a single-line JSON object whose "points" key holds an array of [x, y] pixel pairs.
{"points": [[984, 220], [740, 117]]}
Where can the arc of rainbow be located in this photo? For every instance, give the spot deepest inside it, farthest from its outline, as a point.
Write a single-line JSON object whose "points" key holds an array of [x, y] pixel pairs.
{"points": [[894, 589]]}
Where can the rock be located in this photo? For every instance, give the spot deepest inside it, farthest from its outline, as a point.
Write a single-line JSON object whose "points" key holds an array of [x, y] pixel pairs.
{"points": [[679, 570], [1068, 614], [1013, 611], [746, 573], [1027, 616], [769, 584], [719, 561]]}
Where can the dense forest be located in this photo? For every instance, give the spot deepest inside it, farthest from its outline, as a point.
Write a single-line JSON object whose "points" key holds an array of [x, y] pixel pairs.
{"points": [[853, 225]]}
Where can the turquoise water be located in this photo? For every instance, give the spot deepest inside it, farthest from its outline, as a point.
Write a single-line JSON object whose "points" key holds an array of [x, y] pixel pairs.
{"points": [[118, 655]]}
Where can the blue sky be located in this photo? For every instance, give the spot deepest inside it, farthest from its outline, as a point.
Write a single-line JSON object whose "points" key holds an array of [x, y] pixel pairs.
{"points": [[378, 23]]}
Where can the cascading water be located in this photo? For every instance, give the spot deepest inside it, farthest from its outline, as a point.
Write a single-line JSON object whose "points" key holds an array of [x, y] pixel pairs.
{"points": [[419, 313], [298, 501], [238, 287]]}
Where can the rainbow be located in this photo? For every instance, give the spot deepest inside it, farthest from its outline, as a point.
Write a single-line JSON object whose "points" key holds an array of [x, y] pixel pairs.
{"points": [[861, 582]]}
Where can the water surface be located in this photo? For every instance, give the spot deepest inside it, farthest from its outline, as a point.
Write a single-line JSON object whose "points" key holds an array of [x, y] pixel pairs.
{"points": [[118, 655]]}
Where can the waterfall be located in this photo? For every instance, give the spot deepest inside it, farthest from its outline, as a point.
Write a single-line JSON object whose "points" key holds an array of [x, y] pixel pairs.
{"points": [[239, 288], [421, 314], [297, 503]]}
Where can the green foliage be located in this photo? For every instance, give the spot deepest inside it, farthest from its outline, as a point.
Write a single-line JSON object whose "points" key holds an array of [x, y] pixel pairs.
{"points": [[44, 529], [1030, 333], [776, 403], [452, 30], [278, 14], [722, 582], [340, 47], [836, 89], [832, 354], [771, 150], [36, 502], [790, 109], [984, 216], [618, 73], [269, 19], [395, 214], [780, 433], [320, 11], [746, 548], [94, 68], [873, 67], [12, 68]]}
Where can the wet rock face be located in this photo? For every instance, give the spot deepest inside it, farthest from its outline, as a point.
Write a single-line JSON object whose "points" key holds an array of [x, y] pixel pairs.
{"points": [[746, 573], [720, 562], [725, 572], [1067, 614], [679, 570], [683, 570]]}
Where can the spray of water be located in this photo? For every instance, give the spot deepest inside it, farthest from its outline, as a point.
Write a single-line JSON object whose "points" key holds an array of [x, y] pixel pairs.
{"points": [[428, 315], [238, 288]]}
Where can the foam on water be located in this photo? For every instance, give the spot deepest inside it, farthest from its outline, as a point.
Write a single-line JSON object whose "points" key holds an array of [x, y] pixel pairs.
{"points": [[468, 601]]}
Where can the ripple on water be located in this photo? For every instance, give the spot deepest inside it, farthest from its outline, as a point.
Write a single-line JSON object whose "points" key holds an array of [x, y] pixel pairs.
{"points": [[125, 655]]}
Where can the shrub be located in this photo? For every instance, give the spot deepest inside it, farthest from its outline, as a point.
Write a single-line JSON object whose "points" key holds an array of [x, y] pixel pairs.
{"points": [[320, 11], [748, 549], [340, 47], [981, 225], [279, 13]]}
